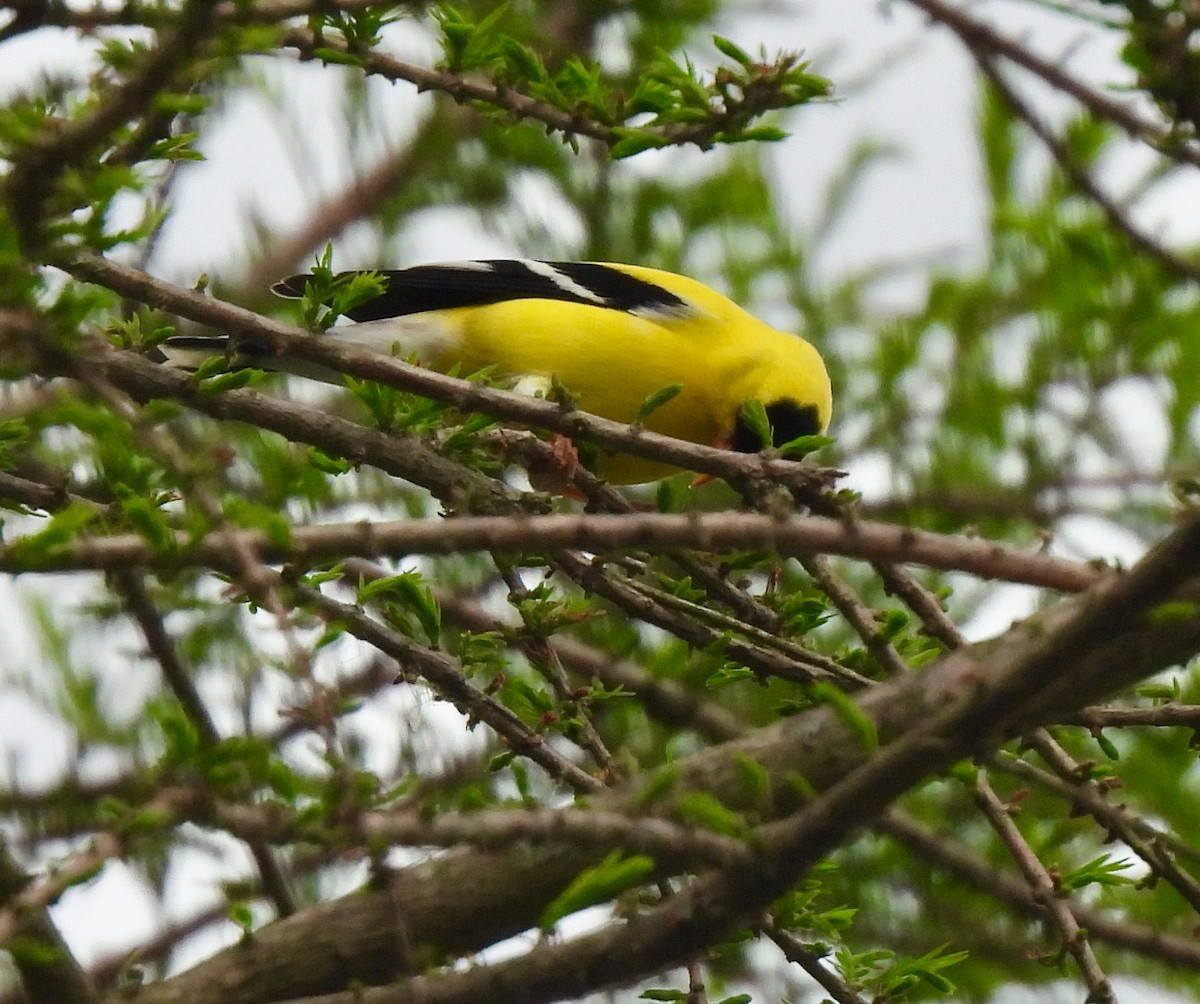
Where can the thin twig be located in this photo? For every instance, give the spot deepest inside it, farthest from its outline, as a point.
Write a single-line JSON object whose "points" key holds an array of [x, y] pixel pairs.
{"points": [[796, 536], [1045, 891]]}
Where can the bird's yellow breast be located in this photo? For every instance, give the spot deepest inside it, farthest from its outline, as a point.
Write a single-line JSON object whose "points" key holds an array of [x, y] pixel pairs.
{"points": [[611, 363]]}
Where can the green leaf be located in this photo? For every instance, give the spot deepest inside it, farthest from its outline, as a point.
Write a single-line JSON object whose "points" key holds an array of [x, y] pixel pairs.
{"points": [[147, 519], [177, 147], [1107, 746], [64, 526], [501, 760], [762, 134], [323, 462], [561, 395], [754, 415], [34, 952], [410, 592], [670, 494], [753, 779], [704, 809], [729, 673], [657, 786], [850, 714], [212, 367], [523, 62], [236, 380], [520, 775], [1102, 870], [180, 104], [241, 915], [657, 400], [732, 51], [1159, 691], [337, 56], [598, 884], [801, 446], [634, 141], [1171, 611]]}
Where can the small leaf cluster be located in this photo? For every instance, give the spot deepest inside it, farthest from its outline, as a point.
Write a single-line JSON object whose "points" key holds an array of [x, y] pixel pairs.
{"points": [[802, 912], [328, 295], [884, 976], [675, 102], [406, 603], [1157, 48], [1102, 870], [684, 105], [68, 175], [985, 398], [359, 29]]}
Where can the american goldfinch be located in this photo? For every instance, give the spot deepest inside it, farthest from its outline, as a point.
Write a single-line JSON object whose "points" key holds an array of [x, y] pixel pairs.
{"points": [[611, 334]]}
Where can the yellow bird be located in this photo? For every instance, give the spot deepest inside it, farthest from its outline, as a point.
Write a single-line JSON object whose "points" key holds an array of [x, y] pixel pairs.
{"points": [[611, 334]]}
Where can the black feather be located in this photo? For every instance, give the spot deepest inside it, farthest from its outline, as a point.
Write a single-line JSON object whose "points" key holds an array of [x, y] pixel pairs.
{"points": [[476, 284], [789, 420]]}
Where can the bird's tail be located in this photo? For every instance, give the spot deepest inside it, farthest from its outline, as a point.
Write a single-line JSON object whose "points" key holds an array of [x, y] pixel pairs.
{"points": [[421, 336], [190, 352]]}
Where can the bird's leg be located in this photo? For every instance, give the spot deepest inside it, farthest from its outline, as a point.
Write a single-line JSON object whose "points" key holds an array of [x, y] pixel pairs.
{"points": [[564, 455], [555, 471], [723, 442]]}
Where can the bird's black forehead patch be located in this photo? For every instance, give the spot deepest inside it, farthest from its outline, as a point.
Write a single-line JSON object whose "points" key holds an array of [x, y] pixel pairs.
{"points": [[479, 283], [789, 420]]}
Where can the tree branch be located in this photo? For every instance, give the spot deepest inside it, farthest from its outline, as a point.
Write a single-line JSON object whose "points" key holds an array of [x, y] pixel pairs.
{"points": [[969, 702], [980, 37], [792, 536]]}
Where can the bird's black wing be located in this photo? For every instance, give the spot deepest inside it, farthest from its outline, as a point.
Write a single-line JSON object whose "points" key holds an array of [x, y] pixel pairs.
{"points": [[477, 283]]}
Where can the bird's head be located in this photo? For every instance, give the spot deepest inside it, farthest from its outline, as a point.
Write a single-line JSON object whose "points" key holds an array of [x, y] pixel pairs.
{"points": [[789, 379], [789, 420]]}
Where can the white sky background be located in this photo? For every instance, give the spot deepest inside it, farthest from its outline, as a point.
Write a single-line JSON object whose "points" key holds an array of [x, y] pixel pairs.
{"points": [[899, 82]]}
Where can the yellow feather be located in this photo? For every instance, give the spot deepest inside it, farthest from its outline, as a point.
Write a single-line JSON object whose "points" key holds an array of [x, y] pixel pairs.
{"points": [[612, 361]]}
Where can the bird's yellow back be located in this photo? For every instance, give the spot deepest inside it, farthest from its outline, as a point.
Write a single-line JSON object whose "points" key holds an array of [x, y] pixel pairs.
{"points": [[613, 360]]}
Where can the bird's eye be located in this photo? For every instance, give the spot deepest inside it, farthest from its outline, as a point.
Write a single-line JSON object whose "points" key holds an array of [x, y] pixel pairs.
{"points": [[789, 420]]}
